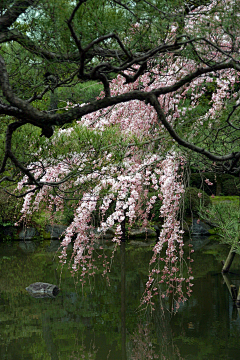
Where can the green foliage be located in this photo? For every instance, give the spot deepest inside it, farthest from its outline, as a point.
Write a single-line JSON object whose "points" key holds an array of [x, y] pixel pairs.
{"points": [[192, 202], [228, 184], [231, 187], [10, 208], [197, 180], [68, 215], [81, 93], [78, 140], [220, 199], [27, 140], [25, 143], [82, 140], [225, 216]]}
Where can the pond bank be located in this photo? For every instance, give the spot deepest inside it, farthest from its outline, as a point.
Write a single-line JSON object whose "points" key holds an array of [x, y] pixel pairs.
{"points": [[56, 231]]}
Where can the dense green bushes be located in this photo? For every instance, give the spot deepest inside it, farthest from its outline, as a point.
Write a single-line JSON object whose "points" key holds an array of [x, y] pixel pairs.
{"points": [[230, 187], [192, 201], [225, 217], [10, 208], [223, 184]]}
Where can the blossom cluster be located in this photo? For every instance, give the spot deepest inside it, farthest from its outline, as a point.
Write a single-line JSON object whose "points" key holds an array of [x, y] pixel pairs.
{"points": [[171, 256]]}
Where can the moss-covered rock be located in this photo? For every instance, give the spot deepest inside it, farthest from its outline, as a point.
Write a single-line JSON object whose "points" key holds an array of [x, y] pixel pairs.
{"points": [[142, 233]]}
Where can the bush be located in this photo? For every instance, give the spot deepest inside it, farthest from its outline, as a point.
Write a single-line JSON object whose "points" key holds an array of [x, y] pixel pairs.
{"points": [[225, 217], [197, 181], [224, 184], [192, 202], [10, 208], [230, 187]]}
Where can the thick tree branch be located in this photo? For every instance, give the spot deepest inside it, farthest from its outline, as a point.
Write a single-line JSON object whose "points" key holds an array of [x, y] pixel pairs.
{"points": [[162, 119], [34, 48], [43, 120], [139, 72], [106, 37], [6, 109], [8, 153], [190, 77], [229, 116], [69, 22], [89, 53]]}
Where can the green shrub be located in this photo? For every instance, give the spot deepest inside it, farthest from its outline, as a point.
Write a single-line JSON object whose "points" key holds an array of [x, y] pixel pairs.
{"points": [[225, 217], [224, 184], [197, 180], [230, 187], [10, 208], [192, 202]]}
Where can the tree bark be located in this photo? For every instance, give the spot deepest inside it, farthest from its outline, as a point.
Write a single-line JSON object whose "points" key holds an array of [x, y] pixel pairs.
{"points": [[228, 261]]}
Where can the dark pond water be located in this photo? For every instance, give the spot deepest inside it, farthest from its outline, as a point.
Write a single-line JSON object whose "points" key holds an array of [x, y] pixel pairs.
{"points": [[101, 322]]}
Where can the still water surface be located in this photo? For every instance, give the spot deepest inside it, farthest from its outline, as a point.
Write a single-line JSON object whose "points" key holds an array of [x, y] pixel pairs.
{"points": [[101, 322]]}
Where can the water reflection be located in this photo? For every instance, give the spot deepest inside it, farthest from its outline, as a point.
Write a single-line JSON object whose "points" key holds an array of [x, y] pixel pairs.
{"points": [[101, 322], [123, 300]]}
